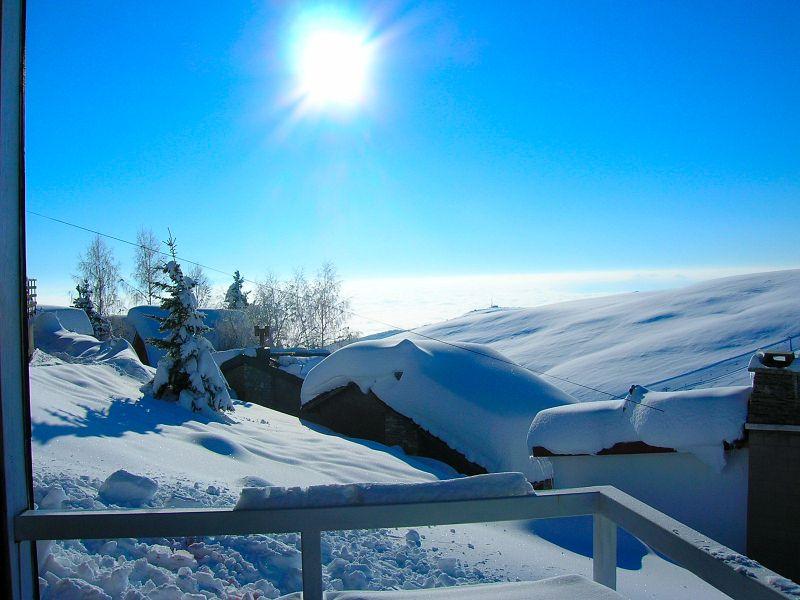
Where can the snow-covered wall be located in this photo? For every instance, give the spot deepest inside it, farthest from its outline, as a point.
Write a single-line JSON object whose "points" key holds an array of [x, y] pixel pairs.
{"points": [[72, 319], [472, 397], [677, 483]]}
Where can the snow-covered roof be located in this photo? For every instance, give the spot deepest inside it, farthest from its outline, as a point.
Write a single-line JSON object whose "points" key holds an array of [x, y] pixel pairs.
{"points": [[141, 319], [51, 337], [696, 421], [71, 318], [470, 396]]}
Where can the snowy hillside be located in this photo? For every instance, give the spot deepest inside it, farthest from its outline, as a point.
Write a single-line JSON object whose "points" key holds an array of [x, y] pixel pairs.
{"points": [[89, 421], [704, 333]]}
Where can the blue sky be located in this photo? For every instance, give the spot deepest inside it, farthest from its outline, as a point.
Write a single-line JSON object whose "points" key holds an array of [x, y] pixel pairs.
{"points": [[496, 138]]}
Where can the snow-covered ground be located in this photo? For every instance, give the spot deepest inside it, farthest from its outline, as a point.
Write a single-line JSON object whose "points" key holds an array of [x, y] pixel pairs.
{"points": [[89, 421], [699, 336]]}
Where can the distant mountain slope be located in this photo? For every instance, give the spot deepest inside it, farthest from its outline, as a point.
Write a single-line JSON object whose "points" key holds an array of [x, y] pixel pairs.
{"points": [[615, 341]]}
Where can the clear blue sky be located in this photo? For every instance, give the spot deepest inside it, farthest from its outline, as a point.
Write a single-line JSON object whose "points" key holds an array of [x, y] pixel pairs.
{"points": [[497, 138]]}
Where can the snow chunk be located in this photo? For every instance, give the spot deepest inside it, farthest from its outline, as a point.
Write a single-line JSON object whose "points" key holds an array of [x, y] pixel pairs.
{"points": [[758, 357], [493, 485], [128, 489], [696, 421], [470, 396]]}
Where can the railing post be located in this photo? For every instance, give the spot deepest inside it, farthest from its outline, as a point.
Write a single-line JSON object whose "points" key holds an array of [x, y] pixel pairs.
{"points": [[604, 554], [311, 547]]}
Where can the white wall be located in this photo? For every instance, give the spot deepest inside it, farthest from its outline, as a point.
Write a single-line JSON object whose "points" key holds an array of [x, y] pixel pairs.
{"points": [[675, 483]]}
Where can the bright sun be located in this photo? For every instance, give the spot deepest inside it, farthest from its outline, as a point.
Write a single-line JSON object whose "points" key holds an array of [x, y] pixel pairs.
{"points": [[332, 66]]}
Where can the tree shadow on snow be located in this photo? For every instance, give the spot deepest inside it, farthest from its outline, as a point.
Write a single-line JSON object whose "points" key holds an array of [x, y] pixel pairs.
{"points": [[121, 415]]}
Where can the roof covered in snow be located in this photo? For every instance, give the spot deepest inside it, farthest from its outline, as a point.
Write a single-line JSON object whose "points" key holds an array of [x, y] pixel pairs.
{"points": [[468, 395], [71, 318], [141, 319], [697, 421], [51, 337]]}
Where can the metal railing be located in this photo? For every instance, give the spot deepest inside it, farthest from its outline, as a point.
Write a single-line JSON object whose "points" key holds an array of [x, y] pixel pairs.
{"points": [[729, 572]]}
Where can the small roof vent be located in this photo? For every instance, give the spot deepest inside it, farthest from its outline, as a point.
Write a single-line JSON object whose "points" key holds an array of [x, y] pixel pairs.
{"points": [[777, 360]]}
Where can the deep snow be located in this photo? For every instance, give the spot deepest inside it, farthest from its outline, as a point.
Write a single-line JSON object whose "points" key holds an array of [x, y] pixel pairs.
{"points": [[671, 337], [472, 397], [89, 421]]}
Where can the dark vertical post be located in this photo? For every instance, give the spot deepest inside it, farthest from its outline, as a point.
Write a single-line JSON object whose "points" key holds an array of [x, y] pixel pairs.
{"points": [[773, 430], [18, 574]]}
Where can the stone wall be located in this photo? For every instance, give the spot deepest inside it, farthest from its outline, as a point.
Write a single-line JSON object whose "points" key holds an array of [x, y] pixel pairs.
{"points": [[773, 505], [773, 511], [776, 397]]}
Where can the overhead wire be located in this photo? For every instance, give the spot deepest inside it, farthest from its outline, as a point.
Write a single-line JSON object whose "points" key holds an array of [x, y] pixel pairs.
{"points": [[371, 319]]}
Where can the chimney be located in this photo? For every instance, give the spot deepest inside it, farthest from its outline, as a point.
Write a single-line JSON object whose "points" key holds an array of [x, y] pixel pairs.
{"points": [[773, 495]]}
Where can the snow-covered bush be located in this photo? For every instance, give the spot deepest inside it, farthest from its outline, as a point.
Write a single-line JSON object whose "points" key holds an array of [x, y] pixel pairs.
{"points": [[100, 325], [187, 372]]}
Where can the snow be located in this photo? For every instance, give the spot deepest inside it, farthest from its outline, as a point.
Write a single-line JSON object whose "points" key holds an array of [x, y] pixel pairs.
{"points": [[141, 318], [89, 420], [695, 421], [59, 343], [299, 366], [127, 489], [470, 396], [495, 485], [566, 586], [73, 319], [671, 337]]}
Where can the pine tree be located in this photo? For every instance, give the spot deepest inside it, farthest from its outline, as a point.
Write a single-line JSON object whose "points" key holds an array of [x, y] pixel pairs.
{"points": [[100, 325], [235, 298], [187, 371]]}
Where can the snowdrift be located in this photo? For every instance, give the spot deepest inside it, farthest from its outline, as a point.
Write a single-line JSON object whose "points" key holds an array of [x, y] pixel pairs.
{"points": [[696, 421], [614, 341], [470, 396]]}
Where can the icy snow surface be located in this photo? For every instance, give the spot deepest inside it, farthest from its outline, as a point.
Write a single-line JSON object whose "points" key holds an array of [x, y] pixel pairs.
{"points": [[696, 421], [472, 397], [615, 341], [572, 587], [494, 485]]}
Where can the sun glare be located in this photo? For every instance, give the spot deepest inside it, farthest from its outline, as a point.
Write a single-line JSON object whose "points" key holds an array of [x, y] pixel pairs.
{"points": [[332, 66]]}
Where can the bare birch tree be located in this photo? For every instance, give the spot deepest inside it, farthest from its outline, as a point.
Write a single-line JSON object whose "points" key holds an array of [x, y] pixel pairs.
{"points": [[148, 270], [98, 267], [202, 288]]}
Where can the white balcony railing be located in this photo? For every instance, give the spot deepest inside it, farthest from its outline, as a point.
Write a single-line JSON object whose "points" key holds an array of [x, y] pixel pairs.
{"points": [[731, 573]]}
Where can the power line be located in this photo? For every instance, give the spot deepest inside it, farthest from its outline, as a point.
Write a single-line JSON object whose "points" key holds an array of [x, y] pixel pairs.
{"points": [[391, 326]]}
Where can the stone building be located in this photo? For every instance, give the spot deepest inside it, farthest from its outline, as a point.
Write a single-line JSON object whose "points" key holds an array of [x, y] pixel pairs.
{"points": [[258, 379], [773, 427], [351, 412]]}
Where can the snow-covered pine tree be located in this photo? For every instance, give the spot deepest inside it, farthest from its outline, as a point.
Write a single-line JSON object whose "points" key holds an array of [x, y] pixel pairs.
{"points": [[100, 325], [235, 297], [187, 371]]}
